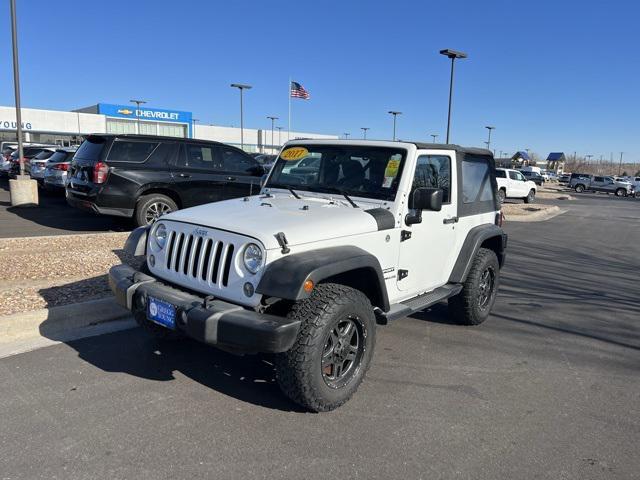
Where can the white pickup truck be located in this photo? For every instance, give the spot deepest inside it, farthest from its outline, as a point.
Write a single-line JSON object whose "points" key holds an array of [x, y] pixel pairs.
{"points": [[512, 184]]}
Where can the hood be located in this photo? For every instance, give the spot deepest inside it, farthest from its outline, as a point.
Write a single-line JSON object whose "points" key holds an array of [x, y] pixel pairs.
{"points": [[305, 220]]}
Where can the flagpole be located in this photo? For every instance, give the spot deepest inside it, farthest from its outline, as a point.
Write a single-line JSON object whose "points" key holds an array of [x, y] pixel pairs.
{"points": [[289, 94]]}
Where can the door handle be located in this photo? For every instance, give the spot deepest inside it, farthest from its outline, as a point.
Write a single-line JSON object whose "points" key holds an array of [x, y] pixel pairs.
{"points": [[184, 175], [231, 179], [448, 221]]}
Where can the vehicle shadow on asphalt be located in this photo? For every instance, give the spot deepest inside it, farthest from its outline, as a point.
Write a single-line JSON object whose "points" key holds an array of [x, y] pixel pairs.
{"points": [[53, 212], [249, 378]]}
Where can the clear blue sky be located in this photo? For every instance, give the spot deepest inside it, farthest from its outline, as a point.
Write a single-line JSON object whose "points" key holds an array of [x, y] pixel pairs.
{"points": [[549, 75]]}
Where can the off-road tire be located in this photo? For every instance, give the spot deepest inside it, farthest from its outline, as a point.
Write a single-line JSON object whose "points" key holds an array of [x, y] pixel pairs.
{"points": [[299, 370], [621, 192], [146, 202], [531, 197], [579, 188], [502, 195], [465, 307]]}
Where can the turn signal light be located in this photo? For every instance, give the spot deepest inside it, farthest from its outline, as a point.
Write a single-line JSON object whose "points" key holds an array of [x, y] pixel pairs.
{"points": [[307, 286], [499, 218]]}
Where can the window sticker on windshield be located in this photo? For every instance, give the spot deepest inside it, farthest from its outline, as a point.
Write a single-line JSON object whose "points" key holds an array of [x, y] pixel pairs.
{"points": [[390, 173], [293, 154]]}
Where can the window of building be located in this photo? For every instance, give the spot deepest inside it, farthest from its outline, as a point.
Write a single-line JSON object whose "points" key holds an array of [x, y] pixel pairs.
{"points": [[147, 128], [121, 126], [171, 130], [434, 171]]}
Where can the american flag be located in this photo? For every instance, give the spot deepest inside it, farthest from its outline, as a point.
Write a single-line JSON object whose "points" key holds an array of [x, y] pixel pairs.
{"points": [[298, 91]]}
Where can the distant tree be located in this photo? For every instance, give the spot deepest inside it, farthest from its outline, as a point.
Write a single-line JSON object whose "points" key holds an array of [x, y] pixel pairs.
{"points": [[624, 174]]}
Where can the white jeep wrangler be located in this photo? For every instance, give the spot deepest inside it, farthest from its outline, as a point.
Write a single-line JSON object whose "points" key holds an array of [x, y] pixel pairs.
{"points": [[368, 232]]}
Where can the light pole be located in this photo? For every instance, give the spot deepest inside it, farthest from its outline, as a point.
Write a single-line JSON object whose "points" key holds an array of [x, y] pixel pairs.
{"points": [[452, 54], [241, 87], [137, 112], [16, 84], [395, 114], [193, 127], [364, 132], [489, 139], [434, 136], [346, 135], [279, 136], [273, 119]]}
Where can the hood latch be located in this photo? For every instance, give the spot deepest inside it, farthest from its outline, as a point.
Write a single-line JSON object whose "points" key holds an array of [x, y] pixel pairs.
{"points": [[282, 241]]}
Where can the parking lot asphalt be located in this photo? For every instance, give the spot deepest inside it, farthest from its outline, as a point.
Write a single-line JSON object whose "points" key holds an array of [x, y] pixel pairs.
{"points": [[548, 387], [52, 217]]}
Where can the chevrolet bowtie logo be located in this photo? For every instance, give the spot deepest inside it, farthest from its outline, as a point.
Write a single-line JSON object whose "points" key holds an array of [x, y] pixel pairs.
{"points": [[125, 111]]}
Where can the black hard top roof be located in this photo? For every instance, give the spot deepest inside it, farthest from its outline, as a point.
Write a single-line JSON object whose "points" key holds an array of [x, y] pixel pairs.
{"points": [[452, 146]]}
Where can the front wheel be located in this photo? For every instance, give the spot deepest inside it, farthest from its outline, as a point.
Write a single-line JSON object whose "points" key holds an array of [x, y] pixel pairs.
{"points": [[332, 353], [474, 303], [579, 188], [621, 192], [531, 197]]}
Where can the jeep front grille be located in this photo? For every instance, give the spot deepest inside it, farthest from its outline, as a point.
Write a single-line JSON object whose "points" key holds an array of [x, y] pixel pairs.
{"points": [[200, 258]]}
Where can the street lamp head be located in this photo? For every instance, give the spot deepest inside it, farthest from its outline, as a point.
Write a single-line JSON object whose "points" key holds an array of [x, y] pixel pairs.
{"points": [[490, 128], [273, 118], [139, 102], [392, 112], [453, 53], [241, 86]]}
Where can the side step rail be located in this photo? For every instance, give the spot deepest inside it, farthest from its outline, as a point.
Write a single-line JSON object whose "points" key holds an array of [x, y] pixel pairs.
{"points": [[415, 304]]}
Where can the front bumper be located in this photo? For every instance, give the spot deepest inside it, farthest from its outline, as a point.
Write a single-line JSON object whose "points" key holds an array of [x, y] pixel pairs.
{"points": [[217, 322]]}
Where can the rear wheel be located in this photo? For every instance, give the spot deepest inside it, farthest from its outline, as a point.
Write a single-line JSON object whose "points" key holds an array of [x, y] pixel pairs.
{"points": [[151, 207], [473, 304], [332, 353], [531, 197]]}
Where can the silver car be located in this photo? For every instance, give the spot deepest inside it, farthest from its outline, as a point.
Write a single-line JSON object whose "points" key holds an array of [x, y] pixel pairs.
{"points": [[35, 167], [55, 173]]}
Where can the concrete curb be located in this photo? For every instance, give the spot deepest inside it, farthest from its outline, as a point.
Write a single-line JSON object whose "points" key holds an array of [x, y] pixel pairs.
{"points": [[55, 323], [536, 216]]}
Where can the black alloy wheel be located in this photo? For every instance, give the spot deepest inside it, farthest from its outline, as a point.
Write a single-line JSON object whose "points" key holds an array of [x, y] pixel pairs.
{"points": [[342, 352]]}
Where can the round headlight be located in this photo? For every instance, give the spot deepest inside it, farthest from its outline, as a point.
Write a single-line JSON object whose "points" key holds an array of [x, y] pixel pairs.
{"points": [[160, 235], [252, 257]]}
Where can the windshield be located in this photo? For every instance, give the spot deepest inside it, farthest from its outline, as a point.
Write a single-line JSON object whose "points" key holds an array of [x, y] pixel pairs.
{"points": [[362, 171]]}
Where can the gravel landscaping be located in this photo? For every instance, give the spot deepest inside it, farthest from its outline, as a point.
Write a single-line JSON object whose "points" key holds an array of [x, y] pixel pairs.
{"points": [[42, 272]]}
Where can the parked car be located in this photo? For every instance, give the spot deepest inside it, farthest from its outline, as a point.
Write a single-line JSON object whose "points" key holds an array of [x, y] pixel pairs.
{"points": [[564, 178], [36, 166], [29, 153], [55, 173], [596, 183], [310, 272], [266, 160], [5, 160], [512, 184], [536, 178], [144, 177]]}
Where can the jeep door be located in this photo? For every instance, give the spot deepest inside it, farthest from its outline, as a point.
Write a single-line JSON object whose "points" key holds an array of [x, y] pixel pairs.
{"points": [[242, 173], [197, 174], [427, 255]]}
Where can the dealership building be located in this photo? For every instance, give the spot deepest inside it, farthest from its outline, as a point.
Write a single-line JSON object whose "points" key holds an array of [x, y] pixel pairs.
{"points": [[68, 128]]}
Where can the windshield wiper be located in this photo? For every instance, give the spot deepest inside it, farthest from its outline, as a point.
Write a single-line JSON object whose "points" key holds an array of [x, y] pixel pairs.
{"points": [[343, 193], [293, 192]]}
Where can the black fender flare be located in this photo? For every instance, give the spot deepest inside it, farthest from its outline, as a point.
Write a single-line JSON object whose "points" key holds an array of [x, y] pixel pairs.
{"points": [[136, 243], [475, 238], [285, 277]]}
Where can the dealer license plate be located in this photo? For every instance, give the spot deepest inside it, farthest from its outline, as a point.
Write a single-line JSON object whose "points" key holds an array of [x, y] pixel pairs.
{"points": [[161, 312]]}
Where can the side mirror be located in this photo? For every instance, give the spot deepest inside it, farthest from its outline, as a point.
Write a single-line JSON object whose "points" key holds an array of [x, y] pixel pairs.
{"points": [[423, 198], [426, 198]]}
